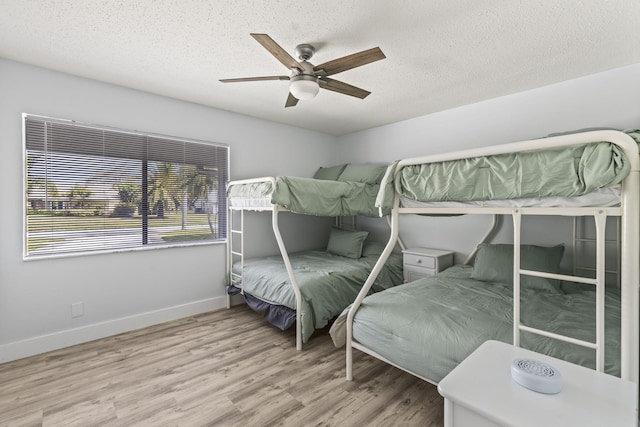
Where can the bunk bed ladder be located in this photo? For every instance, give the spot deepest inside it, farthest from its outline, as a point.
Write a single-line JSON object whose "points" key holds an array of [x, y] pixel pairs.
{"points": [[236, 250], [600, 217]]}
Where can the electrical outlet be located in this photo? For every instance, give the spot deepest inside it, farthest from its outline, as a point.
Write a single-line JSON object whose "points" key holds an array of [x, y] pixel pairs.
{"points": [[77, 309]]}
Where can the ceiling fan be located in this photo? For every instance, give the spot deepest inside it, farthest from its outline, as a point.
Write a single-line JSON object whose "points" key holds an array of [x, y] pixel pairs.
{"points": [[306, 79]]}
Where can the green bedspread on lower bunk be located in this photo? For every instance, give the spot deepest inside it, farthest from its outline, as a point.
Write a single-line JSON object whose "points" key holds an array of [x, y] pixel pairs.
{"points": [[328, 283], [566, 172], [429, 326]]}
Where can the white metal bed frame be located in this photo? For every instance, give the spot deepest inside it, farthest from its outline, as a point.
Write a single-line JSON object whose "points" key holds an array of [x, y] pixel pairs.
{"points": [[628, 212], [275, 210]]}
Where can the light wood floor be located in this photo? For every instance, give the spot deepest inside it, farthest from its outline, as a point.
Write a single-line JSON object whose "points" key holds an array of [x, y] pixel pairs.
{"points": [[227, 368]]}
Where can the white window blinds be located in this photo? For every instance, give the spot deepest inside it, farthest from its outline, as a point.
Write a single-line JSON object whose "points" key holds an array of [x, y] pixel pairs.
{"points": [[91, 188]]}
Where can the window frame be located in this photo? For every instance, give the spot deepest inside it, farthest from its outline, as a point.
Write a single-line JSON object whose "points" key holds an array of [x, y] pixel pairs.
{"points": [[223, 232]]}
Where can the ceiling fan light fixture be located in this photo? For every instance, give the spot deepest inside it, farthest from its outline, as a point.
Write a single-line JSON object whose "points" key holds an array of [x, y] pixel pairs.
{"points": [[304, 86], [305, 78]]}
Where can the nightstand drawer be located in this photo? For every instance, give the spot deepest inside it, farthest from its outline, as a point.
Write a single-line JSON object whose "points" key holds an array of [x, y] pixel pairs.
{"points": [[421, 262], [412, 273], [417, 260]]}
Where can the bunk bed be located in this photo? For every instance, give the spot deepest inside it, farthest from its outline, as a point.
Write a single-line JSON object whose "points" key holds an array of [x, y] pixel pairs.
{"points": [[308, 289], [513, 293]]}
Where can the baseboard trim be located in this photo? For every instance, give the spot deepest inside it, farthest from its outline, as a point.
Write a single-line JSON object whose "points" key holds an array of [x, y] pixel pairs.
{"points": [[57, 340]]}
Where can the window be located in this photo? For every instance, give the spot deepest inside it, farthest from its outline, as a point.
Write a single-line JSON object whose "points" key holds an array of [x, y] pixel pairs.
{"points": [[92, 188]]}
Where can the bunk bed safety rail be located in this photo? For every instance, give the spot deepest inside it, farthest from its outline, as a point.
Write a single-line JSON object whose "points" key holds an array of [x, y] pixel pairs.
{"points": [[255, 190], [625, 142], [270, 179]]}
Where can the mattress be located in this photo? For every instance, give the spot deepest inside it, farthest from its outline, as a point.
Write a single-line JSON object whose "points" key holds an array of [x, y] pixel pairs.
{"points": [[328, 283], [310, 196], [429, 326], [602, 197]]}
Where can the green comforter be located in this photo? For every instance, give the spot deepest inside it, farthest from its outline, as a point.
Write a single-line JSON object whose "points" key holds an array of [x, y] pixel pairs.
{"points": [[328, 283], [327, 198], [430, 325], [566, 172]]}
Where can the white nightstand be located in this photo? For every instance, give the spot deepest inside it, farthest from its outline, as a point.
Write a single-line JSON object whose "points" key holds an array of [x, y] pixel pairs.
{"points": [[421, 262], [481, 393]]}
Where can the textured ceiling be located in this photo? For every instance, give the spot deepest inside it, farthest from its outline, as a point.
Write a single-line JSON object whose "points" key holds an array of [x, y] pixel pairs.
{"points": [[440, 53]]}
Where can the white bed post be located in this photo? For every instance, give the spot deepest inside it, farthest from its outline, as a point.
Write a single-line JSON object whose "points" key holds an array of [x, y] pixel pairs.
{"points": [[629, 276], [400, 242], [229, 255], [601, 222], [393, 239], [629, 263], [517, 222], [292, 277]]}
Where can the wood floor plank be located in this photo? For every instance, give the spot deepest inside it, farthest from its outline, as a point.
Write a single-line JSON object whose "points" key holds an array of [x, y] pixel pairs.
{"points": [[24, 419], [225, 368], [99, 413]]}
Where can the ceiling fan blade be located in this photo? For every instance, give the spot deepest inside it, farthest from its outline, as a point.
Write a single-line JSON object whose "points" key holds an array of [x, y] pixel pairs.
{"points": [[291, 101], [276, 50], [254, 79], [344, 88], [351, 61]]}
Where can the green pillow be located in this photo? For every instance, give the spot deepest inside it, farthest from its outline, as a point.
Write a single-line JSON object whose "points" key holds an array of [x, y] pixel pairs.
{"points": [[331, 173], [373, 248], [346, 243], [369, 174], [494, 263]]}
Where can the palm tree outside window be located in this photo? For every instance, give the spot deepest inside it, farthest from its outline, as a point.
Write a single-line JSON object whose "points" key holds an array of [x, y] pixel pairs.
{"points": [[94, 188]]}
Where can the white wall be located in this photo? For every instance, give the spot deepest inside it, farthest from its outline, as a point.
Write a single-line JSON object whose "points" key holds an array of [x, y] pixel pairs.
{"points": [[609, 99], [127, 290], [122, 291]]}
